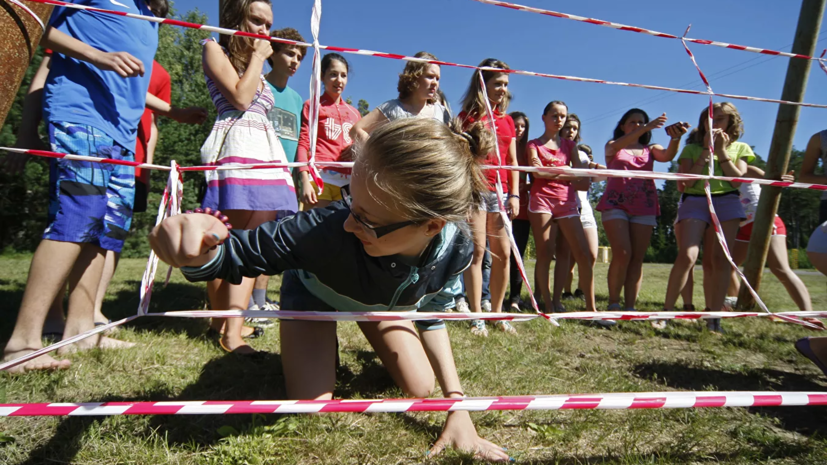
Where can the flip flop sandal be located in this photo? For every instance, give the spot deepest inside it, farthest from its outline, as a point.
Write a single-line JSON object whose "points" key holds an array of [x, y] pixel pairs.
{"points": [[803, 347]]}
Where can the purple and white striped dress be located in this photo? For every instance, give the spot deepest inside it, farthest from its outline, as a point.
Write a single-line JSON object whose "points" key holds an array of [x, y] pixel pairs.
{"points": [[245, 138]]}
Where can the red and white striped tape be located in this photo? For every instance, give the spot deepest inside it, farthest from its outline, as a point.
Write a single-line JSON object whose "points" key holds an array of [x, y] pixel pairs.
{"points": [[582, 172], [624, 27], [416, 316], [609, 401], [489, 316], [394, 56]]}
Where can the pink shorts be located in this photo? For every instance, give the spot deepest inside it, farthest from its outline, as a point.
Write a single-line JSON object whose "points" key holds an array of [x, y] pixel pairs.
{"points": [[558, 209]]}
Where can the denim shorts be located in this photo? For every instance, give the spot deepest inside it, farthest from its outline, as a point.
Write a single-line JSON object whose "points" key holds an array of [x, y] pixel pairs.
{"points": [[727, 207], [490, 203], [618, 214]]}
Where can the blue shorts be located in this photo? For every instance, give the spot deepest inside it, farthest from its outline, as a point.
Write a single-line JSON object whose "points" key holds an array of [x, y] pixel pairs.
{"points": [[89, 202]]}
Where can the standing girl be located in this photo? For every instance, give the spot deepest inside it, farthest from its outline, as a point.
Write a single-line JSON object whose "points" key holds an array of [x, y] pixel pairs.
{"points": [[630, 206], [487, 221], [571, 131], [520, 226], [553, 204], [418, 88], [336, 119], [399, 231], [694, 220], [242, 134]]}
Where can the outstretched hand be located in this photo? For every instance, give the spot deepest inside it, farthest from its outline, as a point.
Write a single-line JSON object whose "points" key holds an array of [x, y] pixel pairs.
{"points": [[188, 240], [459, 433], [657, 122]]}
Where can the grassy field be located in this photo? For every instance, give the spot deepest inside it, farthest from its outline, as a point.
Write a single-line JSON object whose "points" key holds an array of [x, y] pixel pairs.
{"points": [[175, 360]]}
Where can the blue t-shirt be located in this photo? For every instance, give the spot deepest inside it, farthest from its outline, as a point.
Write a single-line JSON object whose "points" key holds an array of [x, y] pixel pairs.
{"points": [[78, 92], [286, 116]]}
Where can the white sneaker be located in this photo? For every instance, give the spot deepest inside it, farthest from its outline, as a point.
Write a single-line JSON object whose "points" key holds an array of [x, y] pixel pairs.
{"points": [[271, 306], [258, 321], [730, 303], [462, 307], [486, 306]]}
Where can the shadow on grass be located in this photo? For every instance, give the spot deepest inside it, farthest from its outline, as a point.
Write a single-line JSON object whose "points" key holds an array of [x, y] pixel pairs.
{"points": [[809, 421]]}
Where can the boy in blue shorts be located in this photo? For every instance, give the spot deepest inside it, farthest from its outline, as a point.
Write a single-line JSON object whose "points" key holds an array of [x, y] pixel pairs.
{"points": [[286, 117], [92, 103]]}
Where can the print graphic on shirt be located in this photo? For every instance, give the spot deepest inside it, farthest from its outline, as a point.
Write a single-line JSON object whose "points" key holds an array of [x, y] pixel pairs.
{"points": [[347, 127], [285, 124], [331, 129], [114, 2]]}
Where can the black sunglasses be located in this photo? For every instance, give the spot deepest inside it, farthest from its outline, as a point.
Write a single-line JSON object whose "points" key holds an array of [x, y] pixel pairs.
{"points": [[375, 231]]}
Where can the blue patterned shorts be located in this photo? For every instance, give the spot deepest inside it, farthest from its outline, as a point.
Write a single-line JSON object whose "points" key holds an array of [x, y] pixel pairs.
{"points": [[89, 202]]}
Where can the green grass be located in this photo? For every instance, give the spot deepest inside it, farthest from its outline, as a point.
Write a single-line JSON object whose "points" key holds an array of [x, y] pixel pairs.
{"points": [[176, 361]]}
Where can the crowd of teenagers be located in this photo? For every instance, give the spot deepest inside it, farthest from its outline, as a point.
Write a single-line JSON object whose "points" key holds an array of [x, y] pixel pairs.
{"points": [[415, 225]]}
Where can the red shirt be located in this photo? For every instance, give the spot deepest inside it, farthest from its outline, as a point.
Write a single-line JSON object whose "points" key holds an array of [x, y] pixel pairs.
{"points": [[505, 134], [159, 86], [335, 122]]}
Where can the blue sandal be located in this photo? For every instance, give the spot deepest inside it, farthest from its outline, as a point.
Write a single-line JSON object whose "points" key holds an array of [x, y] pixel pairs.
{"points": [[803, 347]]}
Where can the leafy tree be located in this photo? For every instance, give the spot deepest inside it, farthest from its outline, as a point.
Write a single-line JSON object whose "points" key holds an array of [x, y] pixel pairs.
{"points": [[363, 106]]}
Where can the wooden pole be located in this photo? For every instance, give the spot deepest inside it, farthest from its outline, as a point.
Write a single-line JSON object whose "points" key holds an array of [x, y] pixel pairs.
{"points": [[806, 34], [21, 35]]}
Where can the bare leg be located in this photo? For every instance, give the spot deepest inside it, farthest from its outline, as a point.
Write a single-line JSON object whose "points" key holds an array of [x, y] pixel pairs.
{"points": [[573, 231], [225, 296], [562, 265], [308, 356], [692, 233], [49, 270], [56, 319], [545, 233], [779, 264], [398, 346], [473, 275], [109, 267], [594, 243], [721, 268], [640, 236], [501, 259], [618, 233], [84, 281], [739, 254]]}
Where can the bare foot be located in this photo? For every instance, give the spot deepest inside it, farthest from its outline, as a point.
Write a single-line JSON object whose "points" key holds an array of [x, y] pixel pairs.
{"points": [[42, 363], [100, 342]]}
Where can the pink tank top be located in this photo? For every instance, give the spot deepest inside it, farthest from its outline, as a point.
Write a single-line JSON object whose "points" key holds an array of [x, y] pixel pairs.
{"points": [[634, 196], [549, 188]]}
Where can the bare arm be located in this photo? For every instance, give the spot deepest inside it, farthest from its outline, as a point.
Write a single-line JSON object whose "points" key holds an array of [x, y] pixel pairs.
{"points": [[240, 92], [675, 132], [534, 161], [190, 115], [361, 131], [808, 166], [152, 142], [615, 146], [122, 63], [459, 430]]}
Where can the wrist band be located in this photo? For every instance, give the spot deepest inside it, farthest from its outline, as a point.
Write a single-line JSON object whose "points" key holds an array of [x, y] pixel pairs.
{"points": [[512, 196], [217, 214]]}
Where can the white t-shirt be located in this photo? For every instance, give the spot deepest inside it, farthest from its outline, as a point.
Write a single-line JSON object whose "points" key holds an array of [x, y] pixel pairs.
{"points": [[583, 196], [750, 193]]}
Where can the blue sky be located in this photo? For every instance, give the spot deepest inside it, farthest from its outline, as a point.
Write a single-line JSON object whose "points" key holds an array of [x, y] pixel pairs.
{"points": [[465, 31]]}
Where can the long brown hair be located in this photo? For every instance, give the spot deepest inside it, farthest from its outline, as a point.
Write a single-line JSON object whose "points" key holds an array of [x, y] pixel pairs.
{"points": [[473, 102], [522, 158], [235, 15], [735, 129]]}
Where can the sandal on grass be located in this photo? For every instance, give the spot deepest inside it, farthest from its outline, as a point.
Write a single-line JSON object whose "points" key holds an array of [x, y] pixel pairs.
{"points": [[505, 327], [478, 328]]}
